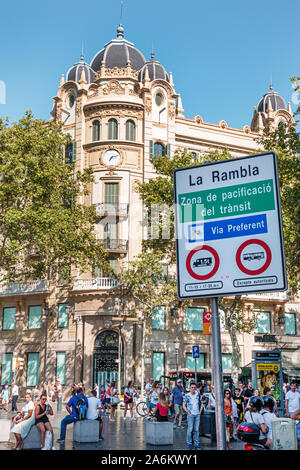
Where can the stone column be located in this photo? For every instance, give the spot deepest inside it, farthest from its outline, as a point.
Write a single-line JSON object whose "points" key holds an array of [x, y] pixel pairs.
{"points": [[18, 349], [78, 365]]}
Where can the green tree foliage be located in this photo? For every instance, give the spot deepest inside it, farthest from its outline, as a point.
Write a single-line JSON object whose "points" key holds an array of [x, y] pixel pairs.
{"points": [[296, 84], [145, 282], [159, 191], [43, 226], [285, 142]]}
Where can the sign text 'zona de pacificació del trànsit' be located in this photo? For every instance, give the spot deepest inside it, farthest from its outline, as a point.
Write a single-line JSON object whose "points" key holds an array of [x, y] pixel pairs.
{"points": [[229, 237]]}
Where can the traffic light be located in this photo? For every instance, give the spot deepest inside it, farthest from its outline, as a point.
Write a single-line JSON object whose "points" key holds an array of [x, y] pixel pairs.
{"points": [[20, 363]]}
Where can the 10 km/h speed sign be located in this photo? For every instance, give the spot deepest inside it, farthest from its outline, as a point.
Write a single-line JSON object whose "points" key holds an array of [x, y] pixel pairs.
{"points": [[229, 228]]}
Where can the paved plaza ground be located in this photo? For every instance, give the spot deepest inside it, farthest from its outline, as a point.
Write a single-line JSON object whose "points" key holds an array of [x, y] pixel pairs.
{"points": [[118, 435]]}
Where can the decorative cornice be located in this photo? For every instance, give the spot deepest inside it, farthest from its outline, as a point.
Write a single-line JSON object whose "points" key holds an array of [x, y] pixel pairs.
{"points": [[183, 139], [96, 146], [214, 127], [126, 72], [109, 108]]}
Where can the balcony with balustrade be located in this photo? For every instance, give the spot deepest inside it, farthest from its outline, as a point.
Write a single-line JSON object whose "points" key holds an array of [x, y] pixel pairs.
{"points": [[271, 296], [95, 283], [112, 209], [115, 245], [24, 288]]}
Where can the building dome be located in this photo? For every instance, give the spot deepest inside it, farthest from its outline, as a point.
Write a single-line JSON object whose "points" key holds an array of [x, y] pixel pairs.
{"points": [[155, 69], [74, 73], [277, 102], [118, 53]]}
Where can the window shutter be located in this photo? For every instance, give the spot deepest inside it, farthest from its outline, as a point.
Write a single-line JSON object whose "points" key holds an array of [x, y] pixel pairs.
{"points": [[151, 149], [6, 369], [33, 362], [168, 150], [61, 367], [74, 152]]}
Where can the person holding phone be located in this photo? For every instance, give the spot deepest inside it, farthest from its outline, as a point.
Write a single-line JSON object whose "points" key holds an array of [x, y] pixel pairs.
{"points": [[41, 412]]}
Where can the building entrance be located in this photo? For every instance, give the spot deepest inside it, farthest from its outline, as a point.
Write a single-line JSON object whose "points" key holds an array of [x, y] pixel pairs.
{"points": [[106, 358]]}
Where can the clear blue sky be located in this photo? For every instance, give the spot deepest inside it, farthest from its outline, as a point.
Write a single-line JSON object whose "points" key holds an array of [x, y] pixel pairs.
{"points": [[221, 53]]}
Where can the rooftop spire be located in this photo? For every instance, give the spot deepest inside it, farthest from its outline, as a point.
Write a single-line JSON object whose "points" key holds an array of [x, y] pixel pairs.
{"points": [[271, 84], [152, 53], [82, 55], [120, 30]]}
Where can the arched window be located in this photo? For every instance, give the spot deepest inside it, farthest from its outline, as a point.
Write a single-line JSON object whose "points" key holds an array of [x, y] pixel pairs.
{"points": [[112, 129], [130, 130], [159, 150], [96, 130]]}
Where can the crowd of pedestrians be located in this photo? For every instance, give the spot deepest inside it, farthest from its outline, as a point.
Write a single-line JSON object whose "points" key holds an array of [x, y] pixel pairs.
{"points": [[247, 405], [242, 403]]}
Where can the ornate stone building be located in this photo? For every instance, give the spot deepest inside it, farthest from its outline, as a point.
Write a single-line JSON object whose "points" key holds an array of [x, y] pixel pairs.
{"points": [[119, 111]]}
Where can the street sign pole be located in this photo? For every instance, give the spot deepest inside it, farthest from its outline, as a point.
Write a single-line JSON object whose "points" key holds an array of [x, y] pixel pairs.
{"points": [[218, 376], [196, 370]]}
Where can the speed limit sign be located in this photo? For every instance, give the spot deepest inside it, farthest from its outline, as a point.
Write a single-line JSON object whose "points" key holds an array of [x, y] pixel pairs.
{"points": [[207, 323]]}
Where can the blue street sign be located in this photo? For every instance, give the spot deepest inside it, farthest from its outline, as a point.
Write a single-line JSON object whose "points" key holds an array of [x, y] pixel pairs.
{"points": [[196, 352]]}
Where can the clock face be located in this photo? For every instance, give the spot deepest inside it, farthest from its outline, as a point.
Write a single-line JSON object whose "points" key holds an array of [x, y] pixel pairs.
{"points": [[111, 157]]}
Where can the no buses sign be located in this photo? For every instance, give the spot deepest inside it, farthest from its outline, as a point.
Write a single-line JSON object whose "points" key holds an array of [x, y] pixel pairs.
{"points": [[229, 228]]}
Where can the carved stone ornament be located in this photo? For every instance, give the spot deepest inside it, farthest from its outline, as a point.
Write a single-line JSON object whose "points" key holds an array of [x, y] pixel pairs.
{"points": [[117, 72], [135, 185], [223, 124], [246, 129], [198, 119], [58, 112], [113, 88], [113, 111], [165, 85], [148, 105], [171, 110], [79, 108]]}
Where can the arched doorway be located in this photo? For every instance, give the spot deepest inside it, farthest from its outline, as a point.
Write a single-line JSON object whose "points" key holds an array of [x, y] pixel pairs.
{"points": [[106, 356]]}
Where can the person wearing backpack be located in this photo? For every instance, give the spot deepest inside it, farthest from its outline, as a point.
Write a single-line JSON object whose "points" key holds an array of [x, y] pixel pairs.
{"points": [[253, 416], [76, 407], [268, 414]]}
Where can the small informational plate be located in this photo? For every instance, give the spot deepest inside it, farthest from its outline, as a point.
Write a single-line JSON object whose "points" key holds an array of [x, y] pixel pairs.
{"points": [[229, 238]]}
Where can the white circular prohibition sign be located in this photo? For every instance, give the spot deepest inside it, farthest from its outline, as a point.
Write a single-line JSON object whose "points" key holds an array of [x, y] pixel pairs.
{"points": [[212, 272]]}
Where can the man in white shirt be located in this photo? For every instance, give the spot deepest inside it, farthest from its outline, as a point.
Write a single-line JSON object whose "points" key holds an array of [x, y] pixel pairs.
{"points": [[193, 405], [14, 395], [292, 400], [94, 411]]}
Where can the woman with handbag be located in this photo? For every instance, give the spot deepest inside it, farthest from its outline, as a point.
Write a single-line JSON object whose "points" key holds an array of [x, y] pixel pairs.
{"points": [[128, 400], [228, 417]]}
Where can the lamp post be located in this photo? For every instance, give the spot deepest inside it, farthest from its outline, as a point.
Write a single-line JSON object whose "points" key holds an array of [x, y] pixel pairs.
{"points": [[120, 303], [176, 347]]}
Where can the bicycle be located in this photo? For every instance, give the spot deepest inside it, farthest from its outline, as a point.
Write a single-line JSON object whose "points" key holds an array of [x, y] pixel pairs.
{"points": [[142, 409]]}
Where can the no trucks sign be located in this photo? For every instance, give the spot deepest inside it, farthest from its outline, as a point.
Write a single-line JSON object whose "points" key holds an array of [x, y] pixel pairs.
{"points": [[229, 228]]}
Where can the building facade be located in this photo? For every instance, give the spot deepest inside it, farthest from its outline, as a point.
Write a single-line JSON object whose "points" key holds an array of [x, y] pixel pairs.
{"points": [[120, 111]]}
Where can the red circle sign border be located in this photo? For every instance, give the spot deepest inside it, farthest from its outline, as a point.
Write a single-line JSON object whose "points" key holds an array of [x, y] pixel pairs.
{"points": [[213, 271], [256, 271]]}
